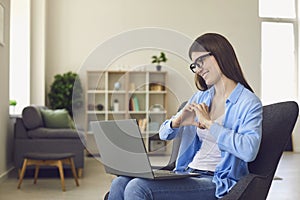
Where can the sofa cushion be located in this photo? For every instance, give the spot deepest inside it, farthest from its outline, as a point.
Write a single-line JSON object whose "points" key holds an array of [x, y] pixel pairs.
{"points": [[49, 133], [32, 117], [59, 118]]}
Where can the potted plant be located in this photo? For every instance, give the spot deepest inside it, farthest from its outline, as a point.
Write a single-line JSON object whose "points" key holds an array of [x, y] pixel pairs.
{"points": [[66, 92], [158, 59], [13, 103]]}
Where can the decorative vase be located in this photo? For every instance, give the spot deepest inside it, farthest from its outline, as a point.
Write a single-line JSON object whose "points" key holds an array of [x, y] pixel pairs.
{"points": [[156, 108], [117, 85], [116, 105], [158, 67], [100, 107]]}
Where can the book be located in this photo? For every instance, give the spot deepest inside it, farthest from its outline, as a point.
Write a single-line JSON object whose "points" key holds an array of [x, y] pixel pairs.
{"points": [[142, 124], [131, 107], [136, 106]]}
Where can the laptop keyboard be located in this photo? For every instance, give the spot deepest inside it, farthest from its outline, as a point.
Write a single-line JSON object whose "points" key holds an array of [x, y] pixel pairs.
{"points": [[167, 173], [163, 173]]}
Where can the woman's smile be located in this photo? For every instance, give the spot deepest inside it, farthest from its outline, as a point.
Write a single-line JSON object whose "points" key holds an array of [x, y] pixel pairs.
{"points": [[204, 74]]}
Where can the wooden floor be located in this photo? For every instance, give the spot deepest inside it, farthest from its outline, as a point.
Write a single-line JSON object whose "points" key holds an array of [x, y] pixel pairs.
{"points": [[95, 183]]}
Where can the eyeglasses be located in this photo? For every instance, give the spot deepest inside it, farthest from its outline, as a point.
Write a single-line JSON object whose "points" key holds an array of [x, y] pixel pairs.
{"points": [[199, 62]]}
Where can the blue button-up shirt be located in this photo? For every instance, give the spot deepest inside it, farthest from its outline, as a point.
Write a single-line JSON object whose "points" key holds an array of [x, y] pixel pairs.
{"points": [[238, 137]]}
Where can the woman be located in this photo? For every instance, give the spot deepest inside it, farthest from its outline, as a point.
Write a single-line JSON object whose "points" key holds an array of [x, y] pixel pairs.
{"points": [[221, 130]]}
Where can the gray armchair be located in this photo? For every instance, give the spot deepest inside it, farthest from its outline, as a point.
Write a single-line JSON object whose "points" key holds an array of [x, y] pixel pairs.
{"points": [[31, 135], [278, 123], [277, 126]]}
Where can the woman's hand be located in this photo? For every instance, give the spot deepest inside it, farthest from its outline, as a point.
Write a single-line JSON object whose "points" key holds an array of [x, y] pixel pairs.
{"points": [[186, 118], [202, 113]]}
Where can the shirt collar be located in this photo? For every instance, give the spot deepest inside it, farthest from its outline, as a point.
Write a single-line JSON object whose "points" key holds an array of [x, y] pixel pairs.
{"points": [[236, 93], [233, 97]]}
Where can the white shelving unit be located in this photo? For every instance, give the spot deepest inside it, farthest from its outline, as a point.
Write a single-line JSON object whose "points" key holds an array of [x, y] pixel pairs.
{"points": [[146, 87]]}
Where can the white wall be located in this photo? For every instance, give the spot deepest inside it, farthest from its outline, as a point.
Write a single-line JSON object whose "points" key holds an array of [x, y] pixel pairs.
{"points": [[37, 52], [75, 27], [5, 138]]}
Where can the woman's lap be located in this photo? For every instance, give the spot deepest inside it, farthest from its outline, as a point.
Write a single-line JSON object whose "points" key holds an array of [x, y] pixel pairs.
{"points": [[186, 188]]}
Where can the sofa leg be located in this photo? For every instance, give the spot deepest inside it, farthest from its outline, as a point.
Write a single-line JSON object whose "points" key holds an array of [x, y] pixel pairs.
{"points": [[22, 173], [79, 172]]}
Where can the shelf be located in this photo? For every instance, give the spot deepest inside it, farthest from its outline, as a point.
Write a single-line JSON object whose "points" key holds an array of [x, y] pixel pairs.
{"points": [[157, 92], [152, 133], [116, 91], [95, 112], [157, 112], [96, 91], [158, 153], [116, 112], [137, 112], [135, 91]]}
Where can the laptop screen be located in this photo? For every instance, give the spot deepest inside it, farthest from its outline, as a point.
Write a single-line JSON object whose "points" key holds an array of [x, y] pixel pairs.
{"points": [[121, 147]]}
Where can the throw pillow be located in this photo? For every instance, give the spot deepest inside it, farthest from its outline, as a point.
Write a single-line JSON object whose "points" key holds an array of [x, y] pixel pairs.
{"points": [[71, 122], [59, 118]]}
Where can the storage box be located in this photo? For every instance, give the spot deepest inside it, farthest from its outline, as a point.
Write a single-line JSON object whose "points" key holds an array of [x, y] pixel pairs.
{"points": [[156, 87], [157, 145], [153, 126]]}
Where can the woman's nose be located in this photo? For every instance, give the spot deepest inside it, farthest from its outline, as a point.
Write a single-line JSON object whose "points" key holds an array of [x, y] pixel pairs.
{"points": [[199, 69]]}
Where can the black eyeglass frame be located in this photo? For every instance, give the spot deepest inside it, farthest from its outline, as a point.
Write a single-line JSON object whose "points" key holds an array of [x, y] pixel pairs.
{"points": [[199, 62]]}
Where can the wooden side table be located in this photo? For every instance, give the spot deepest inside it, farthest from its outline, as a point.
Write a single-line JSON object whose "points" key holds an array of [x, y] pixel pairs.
{"points": [[49, 159]]}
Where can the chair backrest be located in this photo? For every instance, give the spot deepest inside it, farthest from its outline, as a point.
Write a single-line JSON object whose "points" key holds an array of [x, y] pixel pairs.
{"points": [[278, 123]]}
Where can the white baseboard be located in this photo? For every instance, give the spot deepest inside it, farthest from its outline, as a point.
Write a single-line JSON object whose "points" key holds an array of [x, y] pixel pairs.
{"points": [[5, 175], [296, 149]]}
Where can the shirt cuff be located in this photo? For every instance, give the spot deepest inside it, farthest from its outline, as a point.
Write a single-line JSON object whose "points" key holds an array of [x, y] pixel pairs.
{"points": [[216, 129], [170, 127], [166, 132]]}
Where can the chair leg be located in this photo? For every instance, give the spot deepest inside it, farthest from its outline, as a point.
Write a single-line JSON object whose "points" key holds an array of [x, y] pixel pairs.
{"points": [[79, 172], [61, 172], [73, 170], [22, 173], [36, 173]]}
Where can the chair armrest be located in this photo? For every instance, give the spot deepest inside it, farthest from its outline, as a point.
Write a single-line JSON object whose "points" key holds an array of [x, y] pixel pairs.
{"points": [[239, 191]]}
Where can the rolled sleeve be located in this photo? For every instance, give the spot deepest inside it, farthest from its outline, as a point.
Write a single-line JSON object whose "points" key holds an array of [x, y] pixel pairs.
{"points": [[166, 132], [216, 129]]}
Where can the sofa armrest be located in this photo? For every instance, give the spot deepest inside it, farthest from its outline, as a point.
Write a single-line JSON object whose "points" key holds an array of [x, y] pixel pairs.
{"points": [[20, 130]]}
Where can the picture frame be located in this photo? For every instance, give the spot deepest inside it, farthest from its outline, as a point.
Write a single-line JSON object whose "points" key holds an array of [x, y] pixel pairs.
{"points": [[2, 22]]}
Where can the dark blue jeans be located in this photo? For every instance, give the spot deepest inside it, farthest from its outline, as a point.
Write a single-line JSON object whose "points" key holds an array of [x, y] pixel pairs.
{"points": [[144, 189]]}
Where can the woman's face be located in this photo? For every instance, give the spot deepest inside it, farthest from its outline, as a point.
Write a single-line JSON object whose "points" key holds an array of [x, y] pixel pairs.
{"points": [[210, 70]]}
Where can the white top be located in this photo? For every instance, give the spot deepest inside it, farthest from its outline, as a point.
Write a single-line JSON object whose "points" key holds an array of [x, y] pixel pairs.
{"points": [[209, 155]]}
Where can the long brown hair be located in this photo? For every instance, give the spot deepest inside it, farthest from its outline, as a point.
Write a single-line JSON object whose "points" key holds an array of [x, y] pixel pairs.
{"points": [[225, 56]]}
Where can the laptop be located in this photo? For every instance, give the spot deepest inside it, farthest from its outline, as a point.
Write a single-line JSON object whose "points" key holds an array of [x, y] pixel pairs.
{"points": [[123, 153]]}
